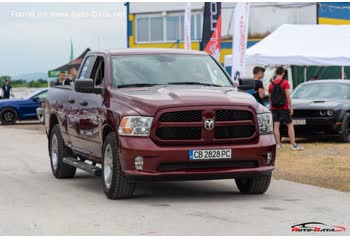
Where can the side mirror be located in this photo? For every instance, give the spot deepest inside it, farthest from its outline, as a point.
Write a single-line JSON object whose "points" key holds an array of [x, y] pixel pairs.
{"points": [[246, 85], [36, 99], [86, 86]]}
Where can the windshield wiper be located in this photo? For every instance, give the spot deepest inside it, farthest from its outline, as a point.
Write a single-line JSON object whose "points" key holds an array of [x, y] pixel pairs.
{"points": [[194, 83], [137, 85]]}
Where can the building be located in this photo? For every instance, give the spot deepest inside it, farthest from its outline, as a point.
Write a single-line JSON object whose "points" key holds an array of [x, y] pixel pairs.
{"points": [[160, 25]]}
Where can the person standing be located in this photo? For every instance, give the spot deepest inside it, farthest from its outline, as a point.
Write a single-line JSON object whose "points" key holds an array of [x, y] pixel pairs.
{"points": [[259, 90], [281, 108], [60, 78], [72, 72], [6, 90]]}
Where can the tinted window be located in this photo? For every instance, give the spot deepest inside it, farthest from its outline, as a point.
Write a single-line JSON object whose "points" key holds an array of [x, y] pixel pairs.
{"points": [[164, 69], [322, 90], [85, 68]]}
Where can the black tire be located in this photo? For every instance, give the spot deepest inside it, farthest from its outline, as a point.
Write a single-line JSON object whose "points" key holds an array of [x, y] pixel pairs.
{"points": [[254, 185], [118, 186], [58, 167], [8, 116], [345, 137]]}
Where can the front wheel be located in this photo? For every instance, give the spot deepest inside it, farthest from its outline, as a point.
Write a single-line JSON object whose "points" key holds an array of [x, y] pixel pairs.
{"points": [[8, 116], [254, 185], [58, 151], [116, 184]]}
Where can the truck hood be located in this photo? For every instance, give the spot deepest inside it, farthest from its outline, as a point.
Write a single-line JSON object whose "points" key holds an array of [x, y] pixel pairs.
{"points": [[149, 100], [319, 103]]}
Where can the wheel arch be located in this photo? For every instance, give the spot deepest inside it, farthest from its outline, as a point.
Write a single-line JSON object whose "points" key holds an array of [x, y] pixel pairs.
{"points": [[52, 122], [13, 108]]}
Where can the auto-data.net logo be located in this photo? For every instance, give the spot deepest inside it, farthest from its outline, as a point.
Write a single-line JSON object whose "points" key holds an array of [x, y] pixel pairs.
{"points": [[317, 227]]}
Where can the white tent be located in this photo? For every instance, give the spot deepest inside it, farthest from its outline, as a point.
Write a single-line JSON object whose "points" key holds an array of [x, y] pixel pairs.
{"points": [[302, 45]]}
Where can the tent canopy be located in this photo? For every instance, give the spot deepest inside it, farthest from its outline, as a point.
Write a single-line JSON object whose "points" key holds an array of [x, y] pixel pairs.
{"points": [[75, 63], [302, 45]]}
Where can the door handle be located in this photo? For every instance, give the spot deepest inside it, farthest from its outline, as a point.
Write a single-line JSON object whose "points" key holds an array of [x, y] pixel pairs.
{"points": [[83, 103], [71, 101]]}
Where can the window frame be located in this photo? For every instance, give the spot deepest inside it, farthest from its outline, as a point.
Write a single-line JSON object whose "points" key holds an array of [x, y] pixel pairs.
{"points": [[164, 16]]}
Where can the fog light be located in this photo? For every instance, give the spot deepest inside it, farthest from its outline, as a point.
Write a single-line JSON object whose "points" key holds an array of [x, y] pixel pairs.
{"points": [[139, 163], [269, 158]]}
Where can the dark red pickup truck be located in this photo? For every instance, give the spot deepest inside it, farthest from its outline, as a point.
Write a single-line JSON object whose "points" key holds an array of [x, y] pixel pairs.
{"points": [[153, 114]]}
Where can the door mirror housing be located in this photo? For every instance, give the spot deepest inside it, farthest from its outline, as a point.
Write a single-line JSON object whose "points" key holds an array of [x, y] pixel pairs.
{"points": [[246, 85], [86, 86], [36, 99]]}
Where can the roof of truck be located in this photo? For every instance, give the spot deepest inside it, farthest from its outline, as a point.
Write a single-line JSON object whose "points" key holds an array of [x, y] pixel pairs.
{"points": [[130, 51]]}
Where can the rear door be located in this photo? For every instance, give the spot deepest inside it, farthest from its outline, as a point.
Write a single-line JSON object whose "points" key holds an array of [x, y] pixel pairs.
{"points": [[75, 110]]}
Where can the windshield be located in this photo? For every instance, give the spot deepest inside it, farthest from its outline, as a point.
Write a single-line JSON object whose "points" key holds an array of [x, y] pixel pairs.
{"points": [[163, 69], [36, 94], [323, 91]]}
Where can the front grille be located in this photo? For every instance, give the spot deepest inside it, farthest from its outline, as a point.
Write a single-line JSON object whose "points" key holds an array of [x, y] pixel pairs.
{"points": [[233, 115], [207, 165], [234, 132], [183, 116], [307, 114], [229, 124], [182, 133]]}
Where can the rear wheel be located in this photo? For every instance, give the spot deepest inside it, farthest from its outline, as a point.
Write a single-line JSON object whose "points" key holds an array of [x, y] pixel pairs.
{"points": [[8, 116], [346, 129], [254, 185], [58, 151], [116, 184]]}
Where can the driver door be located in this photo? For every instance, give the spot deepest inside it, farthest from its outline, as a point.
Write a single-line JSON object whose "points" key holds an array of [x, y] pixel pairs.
{"points": [[29, 106]]}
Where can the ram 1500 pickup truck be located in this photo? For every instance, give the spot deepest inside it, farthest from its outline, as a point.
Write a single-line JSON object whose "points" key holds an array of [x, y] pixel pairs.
{"points": [[152, 114]]}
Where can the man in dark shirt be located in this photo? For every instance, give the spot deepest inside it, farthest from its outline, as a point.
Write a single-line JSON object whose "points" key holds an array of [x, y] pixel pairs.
{"points": [[71, 76], [60, 78], [6, 89], [259, 93]]}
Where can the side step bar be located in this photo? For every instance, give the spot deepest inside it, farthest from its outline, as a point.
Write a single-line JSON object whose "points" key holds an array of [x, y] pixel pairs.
{"points": [[96, 171]]}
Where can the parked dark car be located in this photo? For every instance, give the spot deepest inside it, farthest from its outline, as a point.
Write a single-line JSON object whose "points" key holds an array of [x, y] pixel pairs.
{"points": [[12, 110], [152, 114], [322, 108]]}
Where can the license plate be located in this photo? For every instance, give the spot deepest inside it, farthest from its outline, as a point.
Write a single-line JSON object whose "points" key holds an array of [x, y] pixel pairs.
{"points": [[209, 154], [299, 122]]}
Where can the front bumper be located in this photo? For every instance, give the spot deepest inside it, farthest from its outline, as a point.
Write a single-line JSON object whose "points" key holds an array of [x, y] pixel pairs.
{"points": [[154, 156], [315, 127]]}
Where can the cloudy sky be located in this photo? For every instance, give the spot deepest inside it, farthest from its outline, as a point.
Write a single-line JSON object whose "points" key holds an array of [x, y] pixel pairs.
{"points": [[35, 37]]}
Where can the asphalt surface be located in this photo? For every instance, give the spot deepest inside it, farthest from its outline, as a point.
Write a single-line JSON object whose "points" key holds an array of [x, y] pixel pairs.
{"points": [[33, 202]]}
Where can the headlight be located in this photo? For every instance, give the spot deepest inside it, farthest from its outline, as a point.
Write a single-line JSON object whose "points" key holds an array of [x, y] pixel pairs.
{"points": [[265, 123], [135, 126], [330, 113]]}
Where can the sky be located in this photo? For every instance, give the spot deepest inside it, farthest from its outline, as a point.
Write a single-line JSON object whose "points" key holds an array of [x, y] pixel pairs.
{"points": [[35, 37]]}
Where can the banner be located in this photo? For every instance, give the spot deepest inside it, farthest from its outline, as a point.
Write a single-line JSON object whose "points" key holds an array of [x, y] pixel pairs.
{"points": [[240, 25], [212, 29], [187, 26]]}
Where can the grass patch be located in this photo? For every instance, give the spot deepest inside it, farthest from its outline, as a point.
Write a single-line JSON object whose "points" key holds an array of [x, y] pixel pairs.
{"points": [[324, 164]]}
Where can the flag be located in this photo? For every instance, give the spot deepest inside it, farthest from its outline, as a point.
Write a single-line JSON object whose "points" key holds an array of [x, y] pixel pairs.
{"points": [[212, 29], [187, 26], [71, 51], [240, 25]]}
